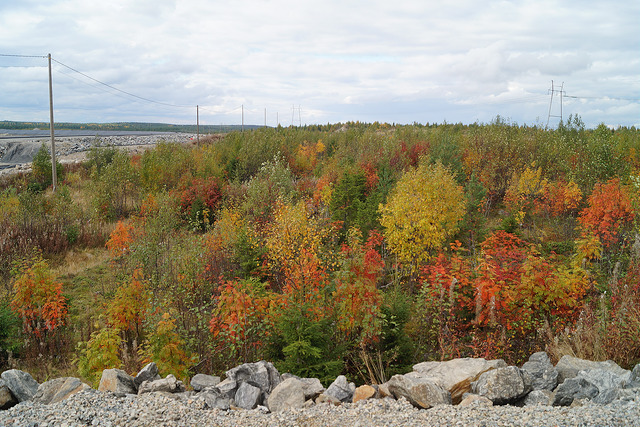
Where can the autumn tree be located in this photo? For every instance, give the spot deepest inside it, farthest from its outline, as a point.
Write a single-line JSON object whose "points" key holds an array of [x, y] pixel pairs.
{"points": [[38, 299], [608, 212], [423, 210]]}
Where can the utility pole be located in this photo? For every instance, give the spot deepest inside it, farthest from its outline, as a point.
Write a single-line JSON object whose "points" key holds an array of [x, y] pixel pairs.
{"points": [[198, 124], [54, 172], [299, 118], [265, 117]]}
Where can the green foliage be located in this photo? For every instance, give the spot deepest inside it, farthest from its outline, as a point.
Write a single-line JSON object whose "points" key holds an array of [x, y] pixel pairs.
{"points": [[115, 187], [99, 353], [100, 156], [42, 171], [10, 326]]}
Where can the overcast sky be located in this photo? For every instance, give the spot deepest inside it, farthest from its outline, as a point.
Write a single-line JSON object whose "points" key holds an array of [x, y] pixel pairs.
{"points": [[396, 61]]}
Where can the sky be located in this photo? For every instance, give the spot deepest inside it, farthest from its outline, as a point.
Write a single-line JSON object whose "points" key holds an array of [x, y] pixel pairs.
{"points": [[316, 62]]}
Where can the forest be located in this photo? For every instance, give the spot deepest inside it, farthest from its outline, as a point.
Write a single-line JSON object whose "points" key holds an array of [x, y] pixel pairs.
{"points": [[347, 248]]}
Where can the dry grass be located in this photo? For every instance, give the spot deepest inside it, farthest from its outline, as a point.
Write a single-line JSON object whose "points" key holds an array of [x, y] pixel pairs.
{"points": [[77, 261]]}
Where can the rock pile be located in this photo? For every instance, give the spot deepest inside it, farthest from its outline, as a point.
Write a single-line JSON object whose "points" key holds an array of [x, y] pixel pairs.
{"points": [[259, 385]]}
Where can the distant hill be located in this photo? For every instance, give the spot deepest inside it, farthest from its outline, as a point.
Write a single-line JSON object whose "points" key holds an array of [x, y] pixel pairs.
{"points": [[127, 126]]}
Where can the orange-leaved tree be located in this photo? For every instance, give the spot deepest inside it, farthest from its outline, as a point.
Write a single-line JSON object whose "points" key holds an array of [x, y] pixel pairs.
{"points": [[129, 307], [608, 212], [120, 239], [38, 299], [357, 297]]}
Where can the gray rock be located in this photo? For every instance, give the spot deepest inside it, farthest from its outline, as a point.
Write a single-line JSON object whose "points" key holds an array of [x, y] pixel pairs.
{"points": [[214, 399], [569, 367], [21, 384], [420, 392], [168, 385], [288, 394], [635, 373], [341, 390], [606, 380], [475, 400], [538, 397], [58, 389], [327, 398], [572, 389], [148, 373], [201, 381], [543, 375], [227, 387], [7, 400], [248, 396], [117, 381], [259, 374], [501, 386], [312, 386], [456, 375], [615, 394]]}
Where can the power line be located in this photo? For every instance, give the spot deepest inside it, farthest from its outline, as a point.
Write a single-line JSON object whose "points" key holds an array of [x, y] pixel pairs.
{"points": [[120, 90], [23, 56]]}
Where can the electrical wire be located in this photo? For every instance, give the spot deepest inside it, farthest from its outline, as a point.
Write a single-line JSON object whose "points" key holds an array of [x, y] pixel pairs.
{"points": [[120, 90]]}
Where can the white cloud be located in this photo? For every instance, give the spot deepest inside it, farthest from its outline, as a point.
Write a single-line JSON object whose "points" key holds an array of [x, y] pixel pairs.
{"points": [[400, 61]]}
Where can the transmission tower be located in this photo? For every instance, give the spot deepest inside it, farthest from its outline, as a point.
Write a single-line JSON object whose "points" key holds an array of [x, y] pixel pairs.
{"points": [[553, 91]]}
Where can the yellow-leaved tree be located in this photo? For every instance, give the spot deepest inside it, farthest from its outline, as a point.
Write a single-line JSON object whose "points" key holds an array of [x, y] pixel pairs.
{"points": [[422, 211]]}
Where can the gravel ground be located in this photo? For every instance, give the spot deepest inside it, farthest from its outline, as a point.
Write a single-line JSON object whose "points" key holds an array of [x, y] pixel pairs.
{"points": [[94, 408]]}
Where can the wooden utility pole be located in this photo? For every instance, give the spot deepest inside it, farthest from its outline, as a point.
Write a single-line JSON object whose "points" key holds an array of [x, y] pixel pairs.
{"points": [[54, 172]]}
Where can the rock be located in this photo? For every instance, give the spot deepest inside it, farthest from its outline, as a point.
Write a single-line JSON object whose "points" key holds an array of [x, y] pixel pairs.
{"points": [[635, 374], [364, 392], [312, 386], [606, 379], [259, 374], [456, 375], [168, 385], [248, 396], [475, 400], [327, 398], [201, 381], [574, 388], [538, 397], [421, 392], [117, 381], [341, 390], [58, 389], [383, 390], [20, 383], [148, 373], [544, 376], [615, 394], [569, 367], [215, 399], [7, 400], [502, 385], [227, 387], [288, 394]]}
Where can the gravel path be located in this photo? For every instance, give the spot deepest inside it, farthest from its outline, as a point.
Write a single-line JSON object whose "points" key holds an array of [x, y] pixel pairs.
{"points": [[94, 408]]}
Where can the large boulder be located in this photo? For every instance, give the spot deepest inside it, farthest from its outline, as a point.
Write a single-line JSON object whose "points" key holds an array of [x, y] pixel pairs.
{"points": [[288, 394], [456, 375], [538, 397], [227, 387], [501, 386], [573, 389], [364, 392], [201, 381], [570, 366], [341, 389], [215, 399], [312, 386], [58, 389], [7, 400], [148, 373], [248, 396], [117, 381], [543, 375], [420, 392], [635, 374], [165, 385], [259, 374], [21, 384]]}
